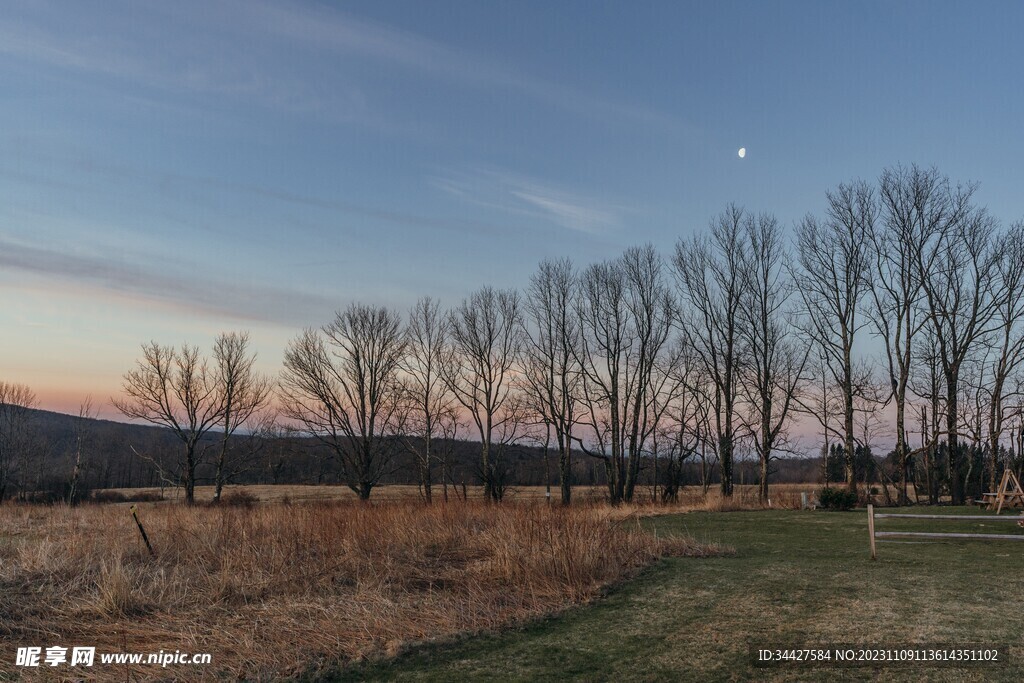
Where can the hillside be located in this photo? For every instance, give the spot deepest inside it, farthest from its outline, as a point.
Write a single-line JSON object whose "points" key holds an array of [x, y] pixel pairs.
{"points": [[124, 455]]}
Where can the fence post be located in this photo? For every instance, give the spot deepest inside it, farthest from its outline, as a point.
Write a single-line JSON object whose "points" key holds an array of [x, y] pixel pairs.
{"points": [[142, 531], [871, 530]]}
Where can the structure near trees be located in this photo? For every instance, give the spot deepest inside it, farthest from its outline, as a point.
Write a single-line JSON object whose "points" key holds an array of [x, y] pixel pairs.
{"points": [[873, 535]]}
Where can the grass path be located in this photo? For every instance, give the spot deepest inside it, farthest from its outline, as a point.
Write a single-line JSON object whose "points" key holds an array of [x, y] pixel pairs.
{"points": [[796, 577]]}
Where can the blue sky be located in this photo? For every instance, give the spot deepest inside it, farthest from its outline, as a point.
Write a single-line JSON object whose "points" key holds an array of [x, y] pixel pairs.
{"points": [[172, 170]]}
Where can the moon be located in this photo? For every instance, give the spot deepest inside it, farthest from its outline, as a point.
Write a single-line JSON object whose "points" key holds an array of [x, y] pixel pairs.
{"points": [[743, 152]]}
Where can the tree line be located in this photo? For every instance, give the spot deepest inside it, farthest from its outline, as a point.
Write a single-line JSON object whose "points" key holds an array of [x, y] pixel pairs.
{"points": [[652, 361]]}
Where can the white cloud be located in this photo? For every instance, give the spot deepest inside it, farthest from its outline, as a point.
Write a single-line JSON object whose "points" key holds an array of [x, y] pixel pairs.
{"points": [[145, 278], [259, 50], [513, 193]]}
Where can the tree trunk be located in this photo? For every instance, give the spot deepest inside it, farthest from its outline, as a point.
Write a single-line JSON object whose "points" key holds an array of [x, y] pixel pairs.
{"points": [[848, 442], [632, 470], [954, 456], [725, 456], [485, 465], [425, 478], [901, 448], [190, 475], [219, 480], [762, 491], [565, 471], [765, 453], [995, 431], [73, 488]]}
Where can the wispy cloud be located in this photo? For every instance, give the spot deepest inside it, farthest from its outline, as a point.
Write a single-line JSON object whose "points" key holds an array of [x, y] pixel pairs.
{"points": [[198, 294], [233, 49], [164, 181], [183, 52], [513, 193], [337, 31]]}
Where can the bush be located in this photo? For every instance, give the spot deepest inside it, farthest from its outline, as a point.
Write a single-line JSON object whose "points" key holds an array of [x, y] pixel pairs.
{"points": [[839, 498], [239, 497], [107, 496]]}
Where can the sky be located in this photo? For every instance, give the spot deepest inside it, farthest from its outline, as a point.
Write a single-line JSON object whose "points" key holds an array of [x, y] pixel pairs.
{"points": [[169, 171]]}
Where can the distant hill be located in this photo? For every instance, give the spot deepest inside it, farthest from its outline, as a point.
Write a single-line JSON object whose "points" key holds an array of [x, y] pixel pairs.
{"points": [[125, 455]]}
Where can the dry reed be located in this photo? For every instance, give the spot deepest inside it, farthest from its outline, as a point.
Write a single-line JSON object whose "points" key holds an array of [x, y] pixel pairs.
{"points": [[277, 588]]}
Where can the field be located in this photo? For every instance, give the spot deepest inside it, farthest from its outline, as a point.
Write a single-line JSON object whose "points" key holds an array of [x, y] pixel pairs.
{"points": [[277, 588], [796, 577], [315, 589], [690, 498]]}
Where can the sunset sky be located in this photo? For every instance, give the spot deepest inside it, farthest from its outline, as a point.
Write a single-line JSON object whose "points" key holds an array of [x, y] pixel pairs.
{"points": [[170, 170]]}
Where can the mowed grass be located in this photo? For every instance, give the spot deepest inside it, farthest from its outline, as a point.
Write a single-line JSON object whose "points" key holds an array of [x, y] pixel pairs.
{"points": [[797, 577]]}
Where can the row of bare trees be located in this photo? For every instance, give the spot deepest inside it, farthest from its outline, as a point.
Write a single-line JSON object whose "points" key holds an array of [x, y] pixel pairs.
{"points": [[914, 262], [904, 296], [192, 396], [609, 361], [16, 403]]}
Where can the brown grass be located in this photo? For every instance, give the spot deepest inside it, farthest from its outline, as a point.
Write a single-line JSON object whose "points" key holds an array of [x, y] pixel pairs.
{"points": [[275, 588], [783, 496]]}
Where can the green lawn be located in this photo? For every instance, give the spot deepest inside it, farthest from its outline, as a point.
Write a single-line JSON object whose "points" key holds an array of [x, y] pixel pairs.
{"points": [[796, 577]]}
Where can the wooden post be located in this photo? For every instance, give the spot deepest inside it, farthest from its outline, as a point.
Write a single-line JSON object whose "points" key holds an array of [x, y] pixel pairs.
{"points": [[1001, 491], [142, 531], [1016, 494], [871, 530]]}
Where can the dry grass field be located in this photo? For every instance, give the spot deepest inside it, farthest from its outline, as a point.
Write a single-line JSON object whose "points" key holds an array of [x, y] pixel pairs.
{"points": [[274, 588], [285, 580], [783, 496]]}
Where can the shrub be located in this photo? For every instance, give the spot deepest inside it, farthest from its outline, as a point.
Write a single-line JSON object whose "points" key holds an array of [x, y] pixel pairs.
{"points": [[108, 496], [838, 498], [239, 497]]}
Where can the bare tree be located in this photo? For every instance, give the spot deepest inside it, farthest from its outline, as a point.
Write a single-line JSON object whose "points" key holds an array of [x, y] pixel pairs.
{"points": [[82, 431], [959, 270], [870, 396], [485, 337], [926, 381], [626, 312], [429, 405], [449, 428], [1007, 343], [911, 201], [655, 370], [603, 354], [773, 371], [824, 402], [266, 443], [16, 404], [341, 384], [710, 271], [243, 393], [552, 375], [701, 390], [175, 389], [677, 412], [831, 268]]}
